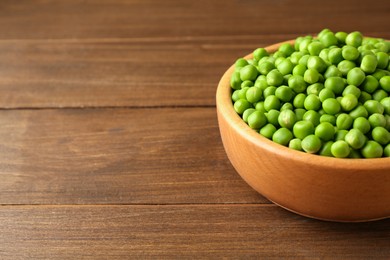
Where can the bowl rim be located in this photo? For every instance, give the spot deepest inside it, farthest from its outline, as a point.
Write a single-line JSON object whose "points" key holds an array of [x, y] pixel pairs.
{"points": [[225, 108]]}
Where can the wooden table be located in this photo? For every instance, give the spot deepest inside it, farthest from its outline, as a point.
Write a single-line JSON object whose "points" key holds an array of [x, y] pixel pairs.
{"points": [[109, 140]]}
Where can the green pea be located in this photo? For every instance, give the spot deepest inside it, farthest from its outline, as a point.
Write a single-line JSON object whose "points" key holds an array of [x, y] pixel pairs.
{"points": [[260, 53], [301, 129], [282, 136], [285, 67], [369, 63], [272, 117], [235, 80], [386, 151], [331, 106], [315, 62], [268, 130], [359, 111], [362, 124], [344, 121], [312, 102], [372, 149], [242, 93], [325, 131], [377, 119], [246, 114], [324, 55], [299, 112], [379, 94], [269, 91], [364, 96], [260, 106], [274, 78], [287, 119], [340, 149], [328, 39], [383, 60], [312, 116], [249, 72], [345, 66], [380, 135], [340, 134], [384, 82], [287, 49], [354, 39], [328, 118], [336, 84], [355, 76], [271, 102], [315, 88], [355, 138], [325, 94], [303, 60], [297, 83], [246, 83], [287, 106], [385, 102], [350, 53], [341, 37], [378, 74], [354, 154], [299, 69], [261, 82], [311, 76], [374, 106], [284, 93], [265, 67], [335, 56], [311, 144], [241, 105], [325, 149], [235, 95], [348, 102], [256, 120], [295, 56], [332, 71], [295, 144], [351, 89], [253, 94], [240, 62]]}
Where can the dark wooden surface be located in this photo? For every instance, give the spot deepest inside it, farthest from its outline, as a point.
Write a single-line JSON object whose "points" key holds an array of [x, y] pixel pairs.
{"points": [[109, 141]]}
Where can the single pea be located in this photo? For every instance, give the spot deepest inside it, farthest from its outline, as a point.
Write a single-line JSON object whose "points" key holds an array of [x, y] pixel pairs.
{"points": [[261, 82], [377, 119], [312, 116], [340, 149], [386, 151], [378, 74], [325, 149], [340, 134], [295, 56], [260, 53], [350, 53], [374, 106], [257, 120], [312, 102], [301, 129], [247, 113], [362, 124], [315, 48], [297, 83], [351, 89], [355, 138], [249, 72], [385, 102], [235, 95], [242, 93], [315, 62], [303, 60], [311, 144], [304, 44], [285, 67], [325, 94], [287, 49], [324, 55], [299, 100], [372, 149], [284, 93], [364, 96], [315, 88], [282, 136], [246, 83], [328, 118], [354, 39], [235, 80], [379, 94], [278, 54], [325, 131], [341, 37], [345, 66], [271, 90], [299, 112], [332, 71], [260, 106], [295, 144], [331, 106], [287, 106], [335, 56], [348, 102], [240, 62], [380, 135], [322, 32], [272, 117], [359, 111], [384, 82], [299, 69], [382, 46], [356, 77], [344, 121], [369, 63], [271, 102], [274, 78], [287, 119], [328, 39], [268, 131], [336, 84], [265, 67], [311, 76], [254, 94], [241, 105], [383, 60]]}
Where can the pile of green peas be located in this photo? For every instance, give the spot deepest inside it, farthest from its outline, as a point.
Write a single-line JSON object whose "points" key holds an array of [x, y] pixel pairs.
{"points": [[326, 95]]}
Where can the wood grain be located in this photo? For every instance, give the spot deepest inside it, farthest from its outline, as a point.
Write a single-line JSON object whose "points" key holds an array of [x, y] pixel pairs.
{"points": [[47, 19], [116, 156], [213, 231]]}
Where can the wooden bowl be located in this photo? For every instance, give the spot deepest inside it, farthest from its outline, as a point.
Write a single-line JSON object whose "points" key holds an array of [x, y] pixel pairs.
{"points": [[326, 188]]}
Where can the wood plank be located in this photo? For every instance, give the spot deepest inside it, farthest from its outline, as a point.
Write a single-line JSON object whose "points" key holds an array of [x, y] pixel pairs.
{"points": [[147, 18], [201, 231], [116, 156]]}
